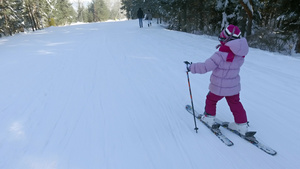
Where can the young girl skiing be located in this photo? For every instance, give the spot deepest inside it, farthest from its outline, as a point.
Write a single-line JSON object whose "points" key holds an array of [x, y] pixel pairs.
{"points": [[225, 80]]}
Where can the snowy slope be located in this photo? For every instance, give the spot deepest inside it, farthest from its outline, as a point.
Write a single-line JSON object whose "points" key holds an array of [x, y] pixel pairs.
{"points": [[112, 96]]}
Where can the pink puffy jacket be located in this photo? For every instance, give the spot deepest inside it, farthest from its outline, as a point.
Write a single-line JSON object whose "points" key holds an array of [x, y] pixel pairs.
{"points": [[225, 78]]}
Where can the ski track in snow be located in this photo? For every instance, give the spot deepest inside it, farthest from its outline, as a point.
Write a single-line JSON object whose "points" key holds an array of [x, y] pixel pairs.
{"points": [[112, 96]]}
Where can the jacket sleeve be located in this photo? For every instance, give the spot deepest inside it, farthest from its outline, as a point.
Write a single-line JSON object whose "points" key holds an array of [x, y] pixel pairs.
{"points": [[209, 65]]}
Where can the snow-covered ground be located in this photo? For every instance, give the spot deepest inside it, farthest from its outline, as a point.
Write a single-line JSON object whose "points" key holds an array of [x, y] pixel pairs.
{"points": [[112, 96]]}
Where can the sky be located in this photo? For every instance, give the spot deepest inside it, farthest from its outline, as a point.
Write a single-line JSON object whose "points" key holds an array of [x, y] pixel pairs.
{"points": [[111, 95]]}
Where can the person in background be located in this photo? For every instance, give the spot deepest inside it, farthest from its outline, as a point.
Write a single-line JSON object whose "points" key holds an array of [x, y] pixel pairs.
{"points": [[149, 18], [140, 15], [225, 79]]}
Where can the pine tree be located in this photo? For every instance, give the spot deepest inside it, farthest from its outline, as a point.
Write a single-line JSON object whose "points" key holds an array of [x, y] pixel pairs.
{"points": [[64, 13], [97, 11], [290, 20], [80, 11], [11, 17]]}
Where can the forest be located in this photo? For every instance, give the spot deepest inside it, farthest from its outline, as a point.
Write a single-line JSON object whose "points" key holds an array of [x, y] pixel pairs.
{"points": [[271, 25], [18, 15]]}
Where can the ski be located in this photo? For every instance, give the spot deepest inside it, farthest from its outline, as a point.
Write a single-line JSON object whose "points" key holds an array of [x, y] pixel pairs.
{"points": [[249, 136], [215, 129]]}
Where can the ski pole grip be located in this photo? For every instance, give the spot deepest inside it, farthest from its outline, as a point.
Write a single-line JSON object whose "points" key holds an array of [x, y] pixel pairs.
{"points": [[187, 63]]}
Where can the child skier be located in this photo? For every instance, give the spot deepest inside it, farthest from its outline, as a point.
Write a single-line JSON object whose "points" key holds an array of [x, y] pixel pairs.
{"points": [[149, 18], [225, 80]]}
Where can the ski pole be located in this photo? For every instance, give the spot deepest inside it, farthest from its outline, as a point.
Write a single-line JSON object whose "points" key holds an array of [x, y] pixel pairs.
{"points": [[188, 77]]}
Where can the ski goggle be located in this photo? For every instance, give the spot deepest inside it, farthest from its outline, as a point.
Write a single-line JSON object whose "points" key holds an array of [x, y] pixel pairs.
{"points": [[222, 39]]}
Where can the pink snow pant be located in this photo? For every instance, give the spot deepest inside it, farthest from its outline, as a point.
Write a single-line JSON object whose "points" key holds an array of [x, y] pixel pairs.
{"points": [[234, 103]]}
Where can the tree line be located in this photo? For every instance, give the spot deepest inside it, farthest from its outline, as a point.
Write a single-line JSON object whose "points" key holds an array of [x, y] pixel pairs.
{"points": [[272, 25], [20, 15]]}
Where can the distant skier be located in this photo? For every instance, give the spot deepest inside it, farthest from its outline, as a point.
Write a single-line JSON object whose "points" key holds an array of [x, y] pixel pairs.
{"points": [[149, 18], [140, 15], [225, 80]]}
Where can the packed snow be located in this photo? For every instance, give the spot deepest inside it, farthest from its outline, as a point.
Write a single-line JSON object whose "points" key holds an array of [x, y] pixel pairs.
{"points": [[112, 96]]}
